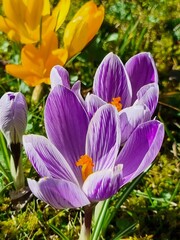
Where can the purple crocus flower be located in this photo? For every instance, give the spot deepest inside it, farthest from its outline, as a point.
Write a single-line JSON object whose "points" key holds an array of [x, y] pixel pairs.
{"points": [[79, 162], [13, 120], [132, 88], [135, 82], [124, 86]]}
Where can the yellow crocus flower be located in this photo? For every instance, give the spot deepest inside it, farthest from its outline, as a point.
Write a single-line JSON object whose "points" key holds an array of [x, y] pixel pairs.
{"points": [[38, 62], [83, 27], [27, 21]]}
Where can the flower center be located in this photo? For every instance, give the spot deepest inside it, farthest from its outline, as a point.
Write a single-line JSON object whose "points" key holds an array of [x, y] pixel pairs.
{"points": [[87, 166], [117, 103]]}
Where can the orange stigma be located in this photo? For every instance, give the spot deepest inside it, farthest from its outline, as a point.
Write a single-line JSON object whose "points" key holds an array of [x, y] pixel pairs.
{"points": [[87, 166], [117, 103]]}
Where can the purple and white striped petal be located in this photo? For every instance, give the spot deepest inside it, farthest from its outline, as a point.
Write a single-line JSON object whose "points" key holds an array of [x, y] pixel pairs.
{"points": [[103, 137], [103, 184], [130, 118], [111, 80], [46, 159], [66, 123], [148, 95], [141, 70], [59, 76], [93, 102], [58, 193], [141, 149], [76, 88]]}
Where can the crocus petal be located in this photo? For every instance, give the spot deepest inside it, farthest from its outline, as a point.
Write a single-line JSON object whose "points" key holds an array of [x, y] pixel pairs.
{"points": [[38, 62], [60, 12], [103, 184], [32, 64], [24, 73], [49, 44], [58, 56], [58, 193], [27, 19], [20, 114], [141, 70], [93, 102], [14, 13], [34, 11], [76, 89], [141, 149], [103, 137], [30, 57], [130, 118], [66, 124], [13, 117], [46, 8], [8, 27], [83, 27], [32, 18], [59, 75], [46, 159], [148, 95], [111, 80]]}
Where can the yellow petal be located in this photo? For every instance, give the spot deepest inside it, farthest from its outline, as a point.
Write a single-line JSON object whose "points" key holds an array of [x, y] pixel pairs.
{"points": [[48, 25], [9, 28], [32, 66], [29, 56], [75, 36], [95, 23], [83, 27], [17, 71], [29, 37], [61, 54], [49, 43], [60, 12], [34, 11], [46, 8], [14, 10], [33, 81], [27, 15], [17, 12], [24, 73], [58, 57], [3, 25], [37, 62]]}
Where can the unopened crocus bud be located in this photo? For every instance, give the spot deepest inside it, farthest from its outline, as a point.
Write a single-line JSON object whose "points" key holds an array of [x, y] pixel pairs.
{"points": [[13, 117], [13, 120], [83, 27]]}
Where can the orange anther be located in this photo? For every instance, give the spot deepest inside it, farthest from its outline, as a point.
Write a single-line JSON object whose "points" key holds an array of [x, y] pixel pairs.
{"points": [[87, 166], [117, 103]]}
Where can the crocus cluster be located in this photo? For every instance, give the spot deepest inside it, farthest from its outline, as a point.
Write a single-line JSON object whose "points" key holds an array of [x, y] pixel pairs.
{"points": [[33, 23], [13, 119], [97, 145]]}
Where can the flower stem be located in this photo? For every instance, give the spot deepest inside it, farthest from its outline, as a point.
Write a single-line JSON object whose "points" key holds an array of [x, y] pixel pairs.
{"points": [[100, 220], [86, 227], [17, 173], [37, 93]]}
